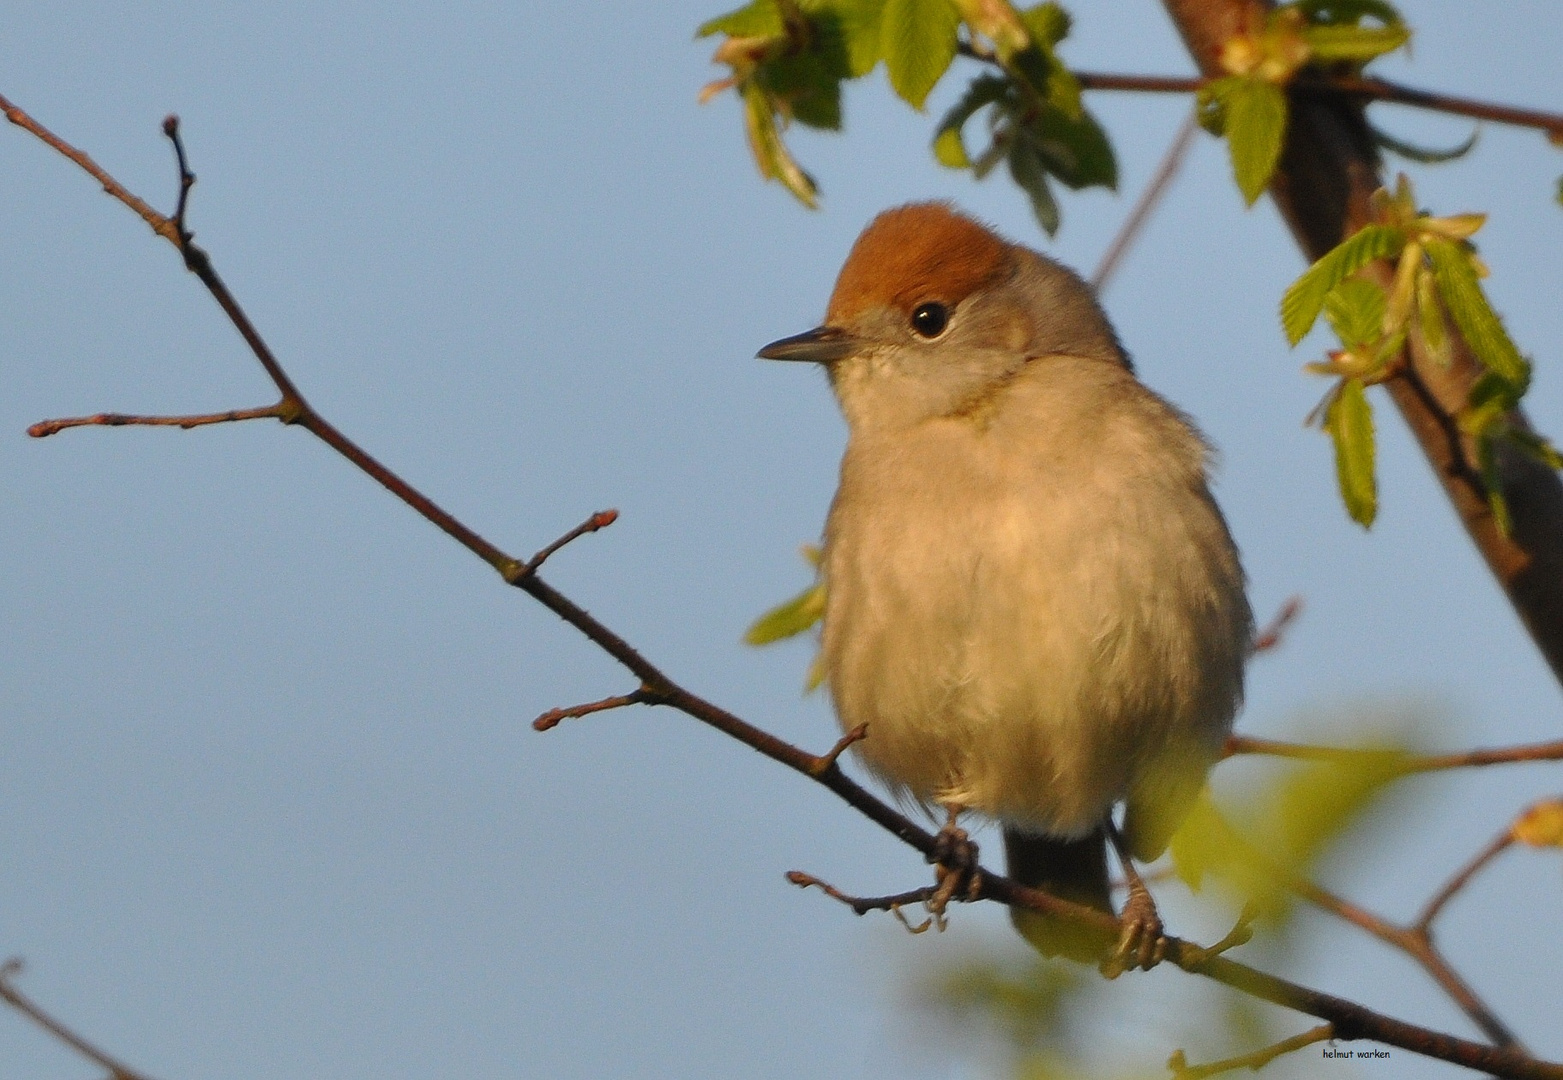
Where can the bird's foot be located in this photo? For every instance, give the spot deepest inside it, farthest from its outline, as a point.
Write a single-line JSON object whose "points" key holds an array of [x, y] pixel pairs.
{"points": [[956, 874], [1141, 944]]}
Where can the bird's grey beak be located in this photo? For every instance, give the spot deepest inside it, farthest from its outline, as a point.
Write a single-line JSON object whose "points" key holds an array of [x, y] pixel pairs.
{"points": [[822, 345]]}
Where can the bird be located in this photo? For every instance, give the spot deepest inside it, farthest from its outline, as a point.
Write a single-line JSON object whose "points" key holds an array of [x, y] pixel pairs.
{"points": [[1034, 607]]}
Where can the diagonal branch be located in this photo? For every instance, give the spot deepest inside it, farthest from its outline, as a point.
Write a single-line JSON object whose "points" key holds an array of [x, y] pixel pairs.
{"points": [[1349, 1019], [30, 1009]]}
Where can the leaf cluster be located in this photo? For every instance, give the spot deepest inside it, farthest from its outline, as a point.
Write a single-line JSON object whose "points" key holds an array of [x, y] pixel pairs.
{"points": [[789, 59], [1436, 281]]}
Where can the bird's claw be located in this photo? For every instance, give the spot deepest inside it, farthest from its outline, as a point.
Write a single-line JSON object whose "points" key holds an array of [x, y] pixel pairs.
{"points": [[956, 875], [1142, 943]]}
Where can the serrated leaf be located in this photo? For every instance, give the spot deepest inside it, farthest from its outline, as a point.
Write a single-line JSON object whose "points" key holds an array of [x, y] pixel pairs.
{"points": [[948, 145], [771, 155], [1492, 480], [1025, 168], [1541, 825], [857, 23], [1355, 309], [1467, 306], [788, 619], [761, 18], [1432, 330], [1421, 154], [1349, 421], [1047, 23], [1255, 131], [808, 82], [1357, 44], [1304, 300], [918, 39]]}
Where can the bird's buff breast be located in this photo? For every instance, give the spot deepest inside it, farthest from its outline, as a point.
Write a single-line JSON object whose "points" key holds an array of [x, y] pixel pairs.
{"points": [[1020, 641]]}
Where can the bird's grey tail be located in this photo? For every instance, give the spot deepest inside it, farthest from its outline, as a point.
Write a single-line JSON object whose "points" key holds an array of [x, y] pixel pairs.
{"points": [[1073, 870]]}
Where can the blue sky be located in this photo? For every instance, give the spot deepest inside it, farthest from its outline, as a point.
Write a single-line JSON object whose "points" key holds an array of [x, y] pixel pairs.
{"points": [[270, 802]]}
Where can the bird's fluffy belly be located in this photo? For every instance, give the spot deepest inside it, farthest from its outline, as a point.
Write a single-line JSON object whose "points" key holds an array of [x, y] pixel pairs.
{"points": [[1035, 688]]}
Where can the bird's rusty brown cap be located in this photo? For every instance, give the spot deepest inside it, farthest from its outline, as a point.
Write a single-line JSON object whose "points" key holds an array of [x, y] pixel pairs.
{"points": [[917, 253]]}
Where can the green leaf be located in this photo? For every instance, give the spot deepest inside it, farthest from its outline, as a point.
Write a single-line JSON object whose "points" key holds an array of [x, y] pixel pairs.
{"points": [[1303, 301], [770, 153], [1349, 420], [918, 40], [1430, 320], [1025, 168], [1468, 307], [1210, 105], [1492, 480], [1255, 130], [761, 18], [1074, 150], [1536, 446], [1355, 309], [1339, 12], [1047, 23], [1421, 154], [808, 82], [789, 619], [1354, 43], [948, 145], [857, 24]]}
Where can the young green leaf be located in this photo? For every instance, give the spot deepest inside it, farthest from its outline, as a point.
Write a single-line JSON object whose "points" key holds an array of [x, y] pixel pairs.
{"points": [[857, 24], [789, 619], [760, 18], [1075, 150], [1357, 44], [770, 153], [1303, 301], [1492, 480], [1047, 23], [918, 39], [1025, 168], [1355, 309], [1468, 307], [1430, 324], [1349, 420], [1255, 130], [948, 145]]}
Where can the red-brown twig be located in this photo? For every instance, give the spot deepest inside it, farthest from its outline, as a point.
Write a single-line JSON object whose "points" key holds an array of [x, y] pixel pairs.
{"points": [[1370, 89], [600, 520], [551, 718], [1270, 637], [1258, 1059], [862, 905], [1463, 759], [827, 760], [1149, 199], [27, 1007], [1461, 878], [1350, 1020], [44, 428]]}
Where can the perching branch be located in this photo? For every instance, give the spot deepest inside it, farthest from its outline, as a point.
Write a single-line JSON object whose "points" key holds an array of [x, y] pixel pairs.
{"points": [[1349, 1020], [28, 1008], [1464, 759], [1256, 1060]]}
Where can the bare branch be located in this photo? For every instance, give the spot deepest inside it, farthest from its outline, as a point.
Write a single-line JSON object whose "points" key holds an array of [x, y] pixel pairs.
{"points": [[600, 520], [1149, 199], [1258, 1059], [1462, 877], [551, 718], [118, 1070], [44, 428], [1463, 759], [1270, 637]]}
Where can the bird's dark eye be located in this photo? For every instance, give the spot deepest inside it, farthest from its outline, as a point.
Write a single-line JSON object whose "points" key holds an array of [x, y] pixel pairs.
{"points": [[930, 319]]}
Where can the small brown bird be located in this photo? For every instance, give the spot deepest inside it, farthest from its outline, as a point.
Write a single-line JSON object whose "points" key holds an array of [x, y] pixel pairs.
{"points": [[1033, 602]]}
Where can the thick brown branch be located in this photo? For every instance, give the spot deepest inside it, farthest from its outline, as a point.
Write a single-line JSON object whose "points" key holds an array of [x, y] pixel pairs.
{"points": [[1329, 168], [1350, 1020], [44, 428], [24, 1005]]}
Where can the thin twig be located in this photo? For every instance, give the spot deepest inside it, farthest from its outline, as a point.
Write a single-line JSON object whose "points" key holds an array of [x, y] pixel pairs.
{"points": [[44, 428], [1258, 1059], [1149, 199], [551, 718], [1462, 877], [1350, 1019], [862, 905], [1270, 637], [118, 1070], [1463, 759], [828, 760], [600, 520]]}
